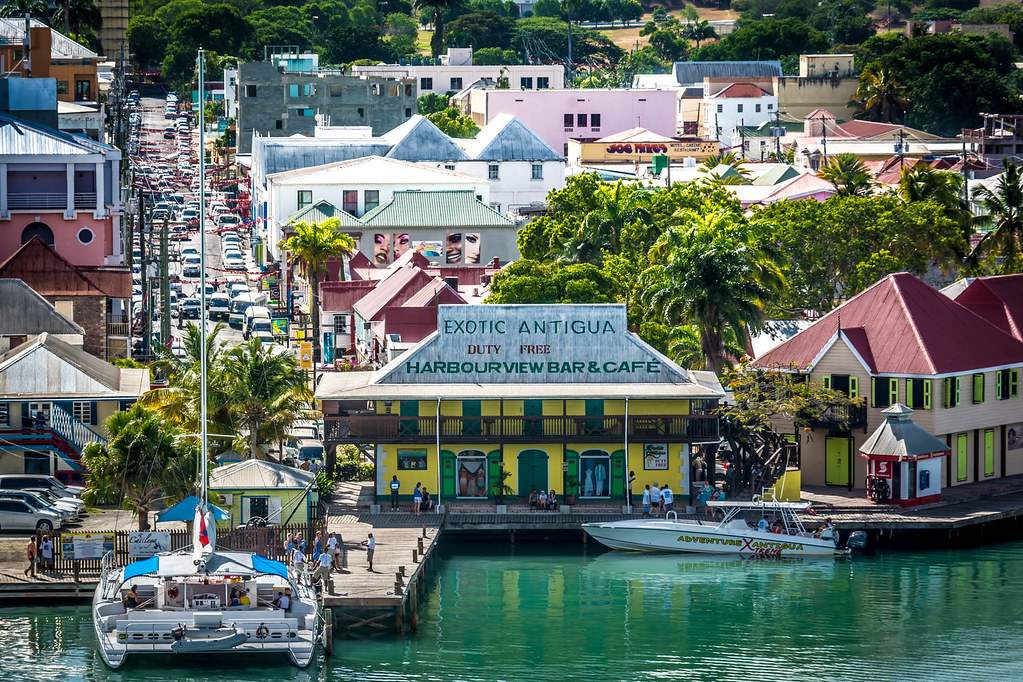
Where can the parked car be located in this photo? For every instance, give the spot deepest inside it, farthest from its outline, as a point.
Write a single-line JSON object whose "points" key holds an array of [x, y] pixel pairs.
{"points": [[19, 515], [23, 481], [35, 501]]}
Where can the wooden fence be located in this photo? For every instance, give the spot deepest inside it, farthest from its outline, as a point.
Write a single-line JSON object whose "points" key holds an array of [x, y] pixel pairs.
{"points": [[268, 542]]}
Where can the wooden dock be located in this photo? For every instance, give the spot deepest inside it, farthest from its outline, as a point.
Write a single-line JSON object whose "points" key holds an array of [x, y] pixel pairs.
{"points": [[386, 599], [60, 587]]}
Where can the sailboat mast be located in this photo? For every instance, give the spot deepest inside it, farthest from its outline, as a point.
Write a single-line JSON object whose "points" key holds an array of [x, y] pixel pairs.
{"points": [[203, 438]]}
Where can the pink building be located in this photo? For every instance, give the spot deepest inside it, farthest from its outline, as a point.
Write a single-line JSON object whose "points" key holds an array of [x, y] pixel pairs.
{"points": [[584, 115]]}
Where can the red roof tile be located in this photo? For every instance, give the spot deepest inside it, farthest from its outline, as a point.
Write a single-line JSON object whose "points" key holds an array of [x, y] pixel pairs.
{"points": [[742, 90], [902, 326], [999, 300]]}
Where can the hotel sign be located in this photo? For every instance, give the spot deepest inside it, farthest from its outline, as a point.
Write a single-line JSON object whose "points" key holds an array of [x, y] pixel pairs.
{"points": [[525, 344]]}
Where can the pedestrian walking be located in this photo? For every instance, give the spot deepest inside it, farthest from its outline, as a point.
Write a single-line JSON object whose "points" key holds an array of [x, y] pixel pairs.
{"points": [[667, 499], [33, 556], [417, 498], [646, 502], [46, 550], [655, 498], [371, 545], [395, 485], [322, 573]]}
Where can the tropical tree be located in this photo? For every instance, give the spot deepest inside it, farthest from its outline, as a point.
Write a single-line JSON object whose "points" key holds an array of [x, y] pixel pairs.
{"points": [[698, 31], [453, 124], [78, 15], [848, 174], [140, 465], [312, 245], [616, 207], [687, 351], [1003, 206], [921, 182], [23, 9], [716, 272], [266, 391], [437, 8], [879, 96]]}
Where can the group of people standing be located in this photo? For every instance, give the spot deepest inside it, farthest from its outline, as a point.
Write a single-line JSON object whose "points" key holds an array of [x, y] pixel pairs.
{"points": [[39, 554], [326, 554], [543, 501], [658, 500], [421, 500]]}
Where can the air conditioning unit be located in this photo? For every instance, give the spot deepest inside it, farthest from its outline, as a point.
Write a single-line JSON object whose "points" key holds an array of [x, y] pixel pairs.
{"points": [[228, 498]]}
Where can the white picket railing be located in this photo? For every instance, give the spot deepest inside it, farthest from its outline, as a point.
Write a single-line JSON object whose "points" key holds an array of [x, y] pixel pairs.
{"points": [[73, 431]]}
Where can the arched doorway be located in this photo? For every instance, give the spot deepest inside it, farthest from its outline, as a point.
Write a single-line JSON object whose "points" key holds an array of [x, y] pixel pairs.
{"points": [[41, 230]]}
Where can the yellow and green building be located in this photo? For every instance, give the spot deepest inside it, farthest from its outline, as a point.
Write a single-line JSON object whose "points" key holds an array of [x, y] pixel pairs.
{"points": [[548, 393]]}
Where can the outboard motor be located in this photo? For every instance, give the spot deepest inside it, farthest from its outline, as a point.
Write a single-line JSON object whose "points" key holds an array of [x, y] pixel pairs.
{"points": [[857, 541], [178, 633]]}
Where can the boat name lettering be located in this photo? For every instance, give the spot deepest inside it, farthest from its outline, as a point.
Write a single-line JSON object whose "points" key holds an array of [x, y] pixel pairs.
{"points": [[699, 540]]}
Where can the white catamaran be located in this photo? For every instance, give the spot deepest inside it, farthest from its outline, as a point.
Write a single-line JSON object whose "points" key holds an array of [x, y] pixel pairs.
{"points": [[731, 535], [204, 600]]}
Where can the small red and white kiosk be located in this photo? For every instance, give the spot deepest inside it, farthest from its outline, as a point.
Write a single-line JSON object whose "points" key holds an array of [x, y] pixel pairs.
{"points": [[903, 460]]}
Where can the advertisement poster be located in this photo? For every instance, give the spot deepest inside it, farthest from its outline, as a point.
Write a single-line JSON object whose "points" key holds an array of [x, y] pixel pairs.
{"points": [[144, 544], [1014, 437], [655, 456], [77, 546], [428, 249], [305, 358], [279, 326]]}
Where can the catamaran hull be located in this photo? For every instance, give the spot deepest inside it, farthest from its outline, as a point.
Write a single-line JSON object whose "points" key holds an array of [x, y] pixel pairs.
{"points": [[670, 536]]}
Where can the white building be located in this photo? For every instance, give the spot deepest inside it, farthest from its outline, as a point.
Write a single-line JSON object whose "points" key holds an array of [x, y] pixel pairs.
{"points": [[457, 71], [356, 187], [738, 104]]}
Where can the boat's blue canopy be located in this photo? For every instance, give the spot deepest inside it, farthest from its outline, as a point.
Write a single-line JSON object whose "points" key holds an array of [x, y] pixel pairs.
{"points": [[217, 563], [185, 511]]}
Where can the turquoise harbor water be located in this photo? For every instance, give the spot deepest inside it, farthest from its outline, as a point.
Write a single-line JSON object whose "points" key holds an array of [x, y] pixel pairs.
{"points": [[555, 613]]}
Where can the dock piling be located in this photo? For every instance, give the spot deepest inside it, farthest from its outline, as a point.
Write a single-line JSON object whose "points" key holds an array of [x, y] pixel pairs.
{"points": [[415, 557]]}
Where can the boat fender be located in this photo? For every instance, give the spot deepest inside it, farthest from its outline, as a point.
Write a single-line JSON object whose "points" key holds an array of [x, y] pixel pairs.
{"points": [[262, 632]]}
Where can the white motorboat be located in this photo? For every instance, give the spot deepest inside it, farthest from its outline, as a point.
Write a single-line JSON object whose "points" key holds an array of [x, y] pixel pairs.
{"points": [[206, 600], [731, 535]]}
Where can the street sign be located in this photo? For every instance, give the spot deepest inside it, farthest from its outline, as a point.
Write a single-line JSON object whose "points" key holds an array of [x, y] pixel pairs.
{"points": [[305, 355]]}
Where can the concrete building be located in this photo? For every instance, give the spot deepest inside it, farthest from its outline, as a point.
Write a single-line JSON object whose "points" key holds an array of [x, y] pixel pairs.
{"points": [[288, 96], [557, 116], [736, 105], [518, 166], [63, 188], [536, 391], [51, 55], [956, 363], [355, 187], [113, 33], [825, 81], [456, 71]]}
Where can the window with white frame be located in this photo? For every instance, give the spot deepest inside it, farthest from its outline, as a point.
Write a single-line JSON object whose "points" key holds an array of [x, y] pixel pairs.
{"points": [[721, 108], [305, 197], [738, 108], [340, 325], [82, 412], [5, 414], [538, 171], [493, 171]]}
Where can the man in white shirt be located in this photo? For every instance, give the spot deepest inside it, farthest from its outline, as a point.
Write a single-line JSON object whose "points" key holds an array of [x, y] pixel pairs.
{"points": [[655, 498], [646, 502], [323, 569], [298, 559], [371, 545]]}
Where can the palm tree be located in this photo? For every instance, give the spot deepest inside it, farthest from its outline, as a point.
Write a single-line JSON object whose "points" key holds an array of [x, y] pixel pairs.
{"points": [[312, 245], [617, 207], [699, 30], [879, 96], [437, 8], [921, 182], [1003, 207], [138, 464], [686, 350], [78, 15], [730, 159], [714, 273], [266, 390], [848, 174]]}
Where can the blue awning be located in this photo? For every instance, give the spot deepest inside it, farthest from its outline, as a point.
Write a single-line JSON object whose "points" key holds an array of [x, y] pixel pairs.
{"points": [[264, 565], [142, 567], [185, 511]]}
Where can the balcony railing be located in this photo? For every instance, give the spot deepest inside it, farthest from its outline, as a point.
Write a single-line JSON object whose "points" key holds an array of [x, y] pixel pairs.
{"points": [[844, 418], [372, 428], [21, 200]]}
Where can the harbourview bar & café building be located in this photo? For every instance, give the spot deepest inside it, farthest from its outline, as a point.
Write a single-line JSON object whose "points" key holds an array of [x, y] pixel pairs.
{"points": [[550, 393]]}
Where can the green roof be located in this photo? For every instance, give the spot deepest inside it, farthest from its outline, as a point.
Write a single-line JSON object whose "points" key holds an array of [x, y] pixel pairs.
{"points": [[443, 208], [322, 210], [764, 129], [779, 173]]}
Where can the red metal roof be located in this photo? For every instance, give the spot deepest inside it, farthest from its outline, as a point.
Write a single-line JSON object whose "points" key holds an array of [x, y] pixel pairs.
{"points": [[39, 266], [341, 297], [742, 90], [902, 326], [399, 286], [999, 300]]}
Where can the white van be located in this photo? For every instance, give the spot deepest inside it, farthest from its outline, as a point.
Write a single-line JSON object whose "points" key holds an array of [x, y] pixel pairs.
{"points": [[241, 303], [257, 319]]}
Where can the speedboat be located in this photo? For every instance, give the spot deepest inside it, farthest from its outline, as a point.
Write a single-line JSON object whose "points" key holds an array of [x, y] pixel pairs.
{"points": [[731, 535], [183, 604]]}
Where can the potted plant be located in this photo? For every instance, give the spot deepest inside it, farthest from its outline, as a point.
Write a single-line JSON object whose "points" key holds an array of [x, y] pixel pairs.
{"points": [[500, 488], [571, 489]]}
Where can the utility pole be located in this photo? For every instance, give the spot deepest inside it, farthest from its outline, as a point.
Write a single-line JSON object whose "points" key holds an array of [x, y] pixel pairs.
{"points": [[147, 316], [742, 137], [824, 138], [902, 151], [165, 318]]}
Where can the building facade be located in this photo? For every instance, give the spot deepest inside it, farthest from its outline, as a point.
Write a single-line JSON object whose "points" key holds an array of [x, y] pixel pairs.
{"points": [[278, 101], [734, 106], [51, 55], [560, 397], [900, 341]]}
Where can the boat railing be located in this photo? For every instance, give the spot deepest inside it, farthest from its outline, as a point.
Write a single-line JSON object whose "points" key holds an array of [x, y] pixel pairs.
{"points": [[107, 568], [671, 515]]}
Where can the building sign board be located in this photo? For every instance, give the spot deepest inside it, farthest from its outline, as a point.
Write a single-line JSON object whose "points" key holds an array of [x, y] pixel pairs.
{"points": [[78, 546], [528, 343], [655, 456], [144, 544], [640, 152]]}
